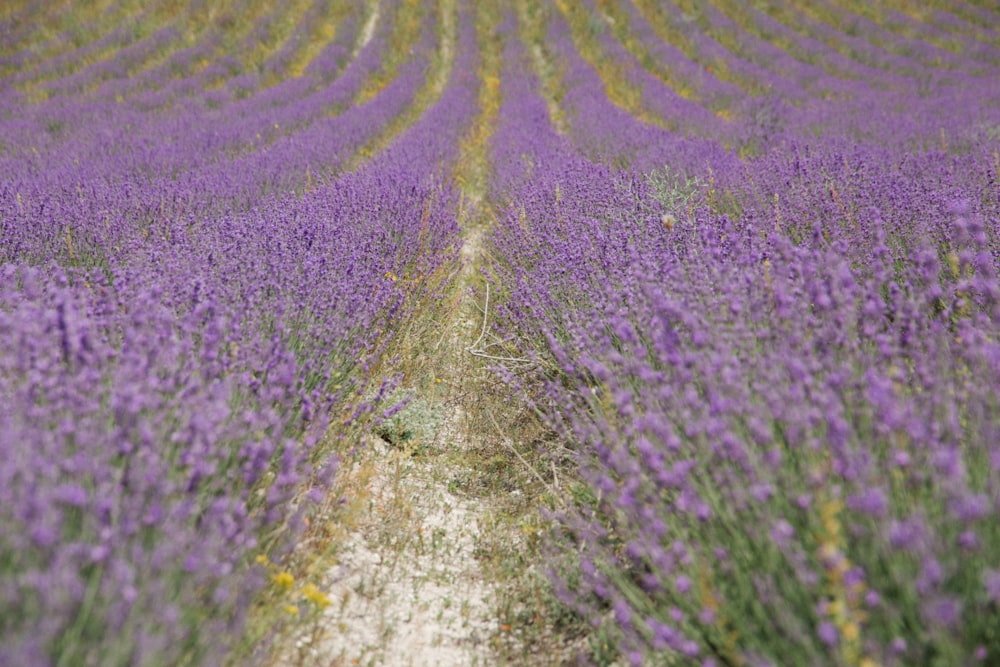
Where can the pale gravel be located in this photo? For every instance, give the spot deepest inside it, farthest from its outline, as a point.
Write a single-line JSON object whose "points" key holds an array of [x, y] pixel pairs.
{"points": [[422, 602]]}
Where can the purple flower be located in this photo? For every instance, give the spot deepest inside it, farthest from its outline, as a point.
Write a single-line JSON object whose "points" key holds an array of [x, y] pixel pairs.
{"points": [[991, 581], [827, 633], [623, 613], [872, 501], [944, 611], [971, 507], [71, 494], [930, 576], [782, 531], [907, 534]]}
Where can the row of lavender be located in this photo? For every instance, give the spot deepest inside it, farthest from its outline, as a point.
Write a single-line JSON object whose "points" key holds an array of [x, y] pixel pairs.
{"points": [[775, 80], [124, 50], [778, 372], [186, 331]]}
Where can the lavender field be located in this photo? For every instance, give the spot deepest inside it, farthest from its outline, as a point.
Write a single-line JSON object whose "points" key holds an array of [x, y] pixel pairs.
{"points": [[719, 281]]}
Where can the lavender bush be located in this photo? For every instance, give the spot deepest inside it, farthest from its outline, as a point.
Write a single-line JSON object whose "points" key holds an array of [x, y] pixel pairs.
{"points": [[813, 477], [778, 375], [186, 337], [142, 467]]}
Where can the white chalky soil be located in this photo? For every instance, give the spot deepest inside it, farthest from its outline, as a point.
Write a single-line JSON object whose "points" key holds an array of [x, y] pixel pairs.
{"points": [[423, 604], [407, 589]]}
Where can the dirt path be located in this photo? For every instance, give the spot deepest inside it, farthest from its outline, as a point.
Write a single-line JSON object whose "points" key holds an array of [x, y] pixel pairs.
{"points": [[368, 30], [430, 551], [407, 587]]}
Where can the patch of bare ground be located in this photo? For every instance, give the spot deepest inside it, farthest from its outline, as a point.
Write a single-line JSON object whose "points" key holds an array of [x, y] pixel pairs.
{"points": [[433, 555]]}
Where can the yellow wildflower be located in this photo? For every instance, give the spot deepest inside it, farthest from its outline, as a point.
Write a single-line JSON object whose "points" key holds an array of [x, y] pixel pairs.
{"points": [[316, 596], [284, 579]]}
